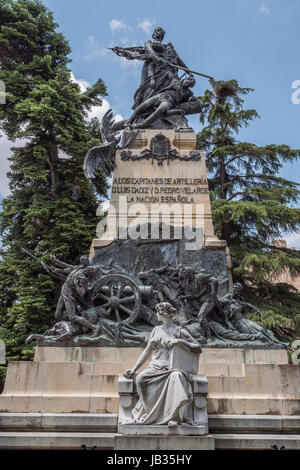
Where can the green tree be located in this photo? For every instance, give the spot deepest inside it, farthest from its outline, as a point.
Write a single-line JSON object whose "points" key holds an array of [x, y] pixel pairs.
{"points": [[252, 205], [52, 207]]}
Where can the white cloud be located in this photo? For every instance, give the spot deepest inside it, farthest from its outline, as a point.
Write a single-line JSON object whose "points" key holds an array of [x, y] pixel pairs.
{"points": [[99, 111], [97, 52], [264, 7], [96, 111], [119, 25], [146, 25], [133, 66], [293, 240], [83, 84], [94, 49]]}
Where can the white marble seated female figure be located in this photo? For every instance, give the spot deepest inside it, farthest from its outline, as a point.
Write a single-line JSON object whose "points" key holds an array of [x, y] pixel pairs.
{"points": [[162, 391]]}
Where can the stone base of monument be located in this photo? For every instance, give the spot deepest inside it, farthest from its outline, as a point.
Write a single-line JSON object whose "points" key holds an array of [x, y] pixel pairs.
{"points": [[84, 380], [72, 430], [67, 397]]}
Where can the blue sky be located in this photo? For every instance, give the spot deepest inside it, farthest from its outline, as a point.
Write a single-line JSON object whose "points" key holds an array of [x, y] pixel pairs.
{"points": [[253, 41]]}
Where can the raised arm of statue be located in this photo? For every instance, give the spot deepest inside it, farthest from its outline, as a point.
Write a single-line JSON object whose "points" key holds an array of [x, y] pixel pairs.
{"points": [[251, 307], [130, 53]]}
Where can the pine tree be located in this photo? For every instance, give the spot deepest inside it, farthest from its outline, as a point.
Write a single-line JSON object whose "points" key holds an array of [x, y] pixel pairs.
{"points": [[252, 205], [51, 208]]}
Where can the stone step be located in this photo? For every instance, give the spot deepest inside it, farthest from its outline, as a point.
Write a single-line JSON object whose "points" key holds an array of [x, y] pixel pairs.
{"points": [[59, 422], [108, 422], [101, 441], [56, 440], [248, 424], [113, 441], [256, 441]]}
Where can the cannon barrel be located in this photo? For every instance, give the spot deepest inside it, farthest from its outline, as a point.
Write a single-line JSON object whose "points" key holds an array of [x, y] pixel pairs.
{"points": [[144, 290]]}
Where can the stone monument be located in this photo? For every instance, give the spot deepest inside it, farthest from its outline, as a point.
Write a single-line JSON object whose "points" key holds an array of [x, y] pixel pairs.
{"points": [[158, 247], [159, 242]]}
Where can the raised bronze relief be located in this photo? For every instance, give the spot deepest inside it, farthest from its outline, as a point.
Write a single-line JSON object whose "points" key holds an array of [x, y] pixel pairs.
{"points": [[160, 150]]}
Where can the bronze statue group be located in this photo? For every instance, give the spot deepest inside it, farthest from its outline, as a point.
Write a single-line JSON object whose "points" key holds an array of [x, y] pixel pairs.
{"points": [[193, 292]]}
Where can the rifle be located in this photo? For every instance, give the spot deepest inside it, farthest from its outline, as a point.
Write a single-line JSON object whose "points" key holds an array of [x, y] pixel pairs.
{"points": [[117, 50], [47, 268]]}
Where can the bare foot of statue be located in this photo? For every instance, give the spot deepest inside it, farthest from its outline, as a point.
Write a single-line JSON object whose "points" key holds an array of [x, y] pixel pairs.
{"points": [[188, 422], [172, 423]]}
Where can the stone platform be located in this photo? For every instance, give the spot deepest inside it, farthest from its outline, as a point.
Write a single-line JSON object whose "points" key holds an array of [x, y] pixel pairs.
{"points": [[84, 380], [99, 431], [161, 430]]}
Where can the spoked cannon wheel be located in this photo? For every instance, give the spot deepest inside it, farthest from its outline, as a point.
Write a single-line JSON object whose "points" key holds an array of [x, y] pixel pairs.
{"points": [[118, 295]]}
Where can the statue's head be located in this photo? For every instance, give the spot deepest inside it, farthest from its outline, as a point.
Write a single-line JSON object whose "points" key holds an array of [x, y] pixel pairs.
{"points": [[165, 309], [158, 34], [84, 260], [81, 284], [188, 272], [189, 82], [237, 288]]}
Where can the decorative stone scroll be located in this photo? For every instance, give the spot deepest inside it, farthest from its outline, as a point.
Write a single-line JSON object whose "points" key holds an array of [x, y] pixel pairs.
{"points": [[160, 150]]}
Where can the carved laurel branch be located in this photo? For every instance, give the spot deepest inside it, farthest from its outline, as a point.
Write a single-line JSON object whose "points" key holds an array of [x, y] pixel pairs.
{"points": [[172, 155]]}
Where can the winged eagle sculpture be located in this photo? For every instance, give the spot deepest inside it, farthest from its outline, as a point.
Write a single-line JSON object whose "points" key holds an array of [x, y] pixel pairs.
{"points": [[104, 156]]}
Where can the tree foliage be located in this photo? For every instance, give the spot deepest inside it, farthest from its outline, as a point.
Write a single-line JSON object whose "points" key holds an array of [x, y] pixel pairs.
{"points": [[253, 206], [51, 207]]}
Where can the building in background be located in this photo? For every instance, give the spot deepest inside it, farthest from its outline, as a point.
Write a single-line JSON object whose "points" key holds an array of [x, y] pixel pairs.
{"points": [[286, 277]]}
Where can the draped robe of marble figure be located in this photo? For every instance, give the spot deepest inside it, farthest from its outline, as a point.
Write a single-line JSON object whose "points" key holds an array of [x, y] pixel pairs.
{"points": [[163, 392]]}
